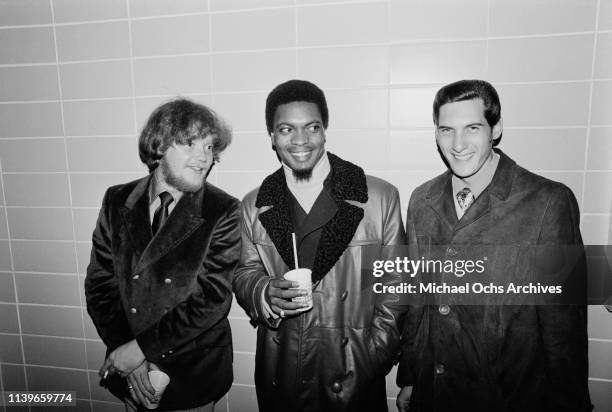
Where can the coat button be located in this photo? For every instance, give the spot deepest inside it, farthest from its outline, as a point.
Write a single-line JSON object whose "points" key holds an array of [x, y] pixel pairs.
{"points": [[336, 387], [136, 277], [451, 251], [344, 295], [274, 383], [439, 369], [167, 281], [444, 309], [163, 356], [133, 310], [170, 352], [344, 341]]}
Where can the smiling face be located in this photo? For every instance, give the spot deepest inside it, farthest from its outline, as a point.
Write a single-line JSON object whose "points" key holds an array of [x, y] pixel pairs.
{"points": [[464, 136], [299, 137], [185, 166]]}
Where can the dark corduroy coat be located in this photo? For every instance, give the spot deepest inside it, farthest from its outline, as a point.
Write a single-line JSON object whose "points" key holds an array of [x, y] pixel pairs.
{"points": [[495, 357], [171, 292]]}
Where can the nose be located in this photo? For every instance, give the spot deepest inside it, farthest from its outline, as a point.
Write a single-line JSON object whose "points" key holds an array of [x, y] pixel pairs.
{"points": [[458, 142], [300, 137], [199, 151]]}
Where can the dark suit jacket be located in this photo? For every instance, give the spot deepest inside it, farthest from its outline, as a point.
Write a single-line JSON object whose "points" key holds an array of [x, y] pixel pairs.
{"points": [[171, 292], [495, 356]]}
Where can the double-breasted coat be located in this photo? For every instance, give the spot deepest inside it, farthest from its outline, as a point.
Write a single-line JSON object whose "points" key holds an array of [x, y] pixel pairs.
{"points": [[171, 292], [495, 356]]}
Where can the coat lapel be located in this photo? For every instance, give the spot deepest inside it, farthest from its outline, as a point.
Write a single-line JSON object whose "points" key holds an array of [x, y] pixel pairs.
{"points": [[440, 198], [135, 216], [346, 181]]}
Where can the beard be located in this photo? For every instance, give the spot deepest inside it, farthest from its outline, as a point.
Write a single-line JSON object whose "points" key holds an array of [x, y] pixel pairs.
{"points": [[178, 182], [302, 175]]}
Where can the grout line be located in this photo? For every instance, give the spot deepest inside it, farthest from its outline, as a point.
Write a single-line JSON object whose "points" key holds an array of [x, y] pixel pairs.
{"points": [[131, 60], [487, 40], [296, 37]]}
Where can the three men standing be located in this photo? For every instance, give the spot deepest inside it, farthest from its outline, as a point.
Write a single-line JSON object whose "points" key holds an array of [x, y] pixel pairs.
{"points": [[333, 357]]}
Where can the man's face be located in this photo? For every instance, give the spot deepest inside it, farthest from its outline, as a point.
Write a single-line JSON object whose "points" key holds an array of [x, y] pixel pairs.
{"points": [[464, 136], [185, 166], [299, 137]]}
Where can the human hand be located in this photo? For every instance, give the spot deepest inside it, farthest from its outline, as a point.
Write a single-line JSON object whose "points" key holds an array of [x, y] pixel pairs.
{"points": [[403, 399], [278, 295], [123, 360], [139, 386]]}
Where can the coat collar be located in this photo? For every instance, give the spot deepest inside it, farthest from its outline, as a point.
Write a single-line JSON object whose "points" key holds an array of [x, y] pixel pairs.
{"points": [[184, 220], [440, 196], [346, 182]]}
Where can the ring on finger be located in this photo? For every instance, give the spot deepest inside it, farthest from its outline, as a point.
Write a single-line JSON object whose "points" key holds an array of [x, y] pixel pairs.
{"points": [[282, 313], [130, 387]]}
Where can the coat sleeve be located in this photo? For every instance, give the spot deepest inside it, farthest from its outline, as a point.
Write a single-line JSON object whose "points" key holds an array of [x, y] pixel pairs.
{"points": [[101, 286], [251, 277], [389, 307], [563, 328], [207, 306]]}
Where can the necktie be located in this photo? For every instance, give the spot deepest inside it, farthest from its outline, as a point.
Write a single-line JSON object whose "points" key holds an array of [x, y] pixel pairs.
{"points": [[161, 214], [465, 198]]}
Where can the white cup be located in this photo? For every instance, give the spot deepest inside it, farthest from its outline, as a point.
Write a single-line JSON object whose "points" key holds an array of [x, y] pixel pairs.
{"points": [[304, 277], [159, 381]]}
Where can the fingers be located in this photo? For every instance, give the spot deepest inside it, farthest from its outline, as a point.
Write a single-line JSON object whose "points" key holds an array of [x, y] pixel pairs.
{"points": [[145, 386], [286, 305], [134, 390], [283, 283], [106, 369]]}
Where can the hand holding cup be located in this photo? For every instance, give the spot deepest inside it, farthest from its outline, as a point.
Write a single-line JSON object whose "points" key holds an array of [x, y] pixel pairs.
{"points": [[279, 294]]}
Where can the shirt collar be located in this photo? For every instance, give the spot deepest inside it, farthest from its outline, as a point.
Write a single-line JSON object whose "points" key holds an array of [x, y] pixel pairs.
{"points": [[158, 186]]}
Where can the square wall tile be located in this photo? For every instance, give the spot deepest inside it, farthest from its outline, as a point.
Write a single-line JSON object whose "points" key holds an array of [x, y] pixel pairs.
{"points": [[601, 395], [596, 230], [546, 16], [44, 256], [172, 75], [530, 105], [573, 180], [600, 322], [145, 8], [600, 149], [13, 377], [33, 155], [96, 353], [88, 10], [29, 83], [437, 19], [85, 223], [392, 389], [244, 368], [438, 62], [90, 329], [3, 225], [100, 117], [553, 149], [357, 109], [30, 119], [413, 150], [411, 107], [48, 289], [83, 256], [223, 5], [52, 321], [89, 189], [5, 256], [549, 58], [601, 107], [357, 147], [605, 15], [95, 80], [98, 392], [244, 336], [265, 70], [8, 318], [44, 351], [27, 45], [24, 12], [260, 29], [238, 184], [40, 223], [597, 193], [93, 41], [359, 23], [344, 66], [600, 358], [57, 379], [603, 56], [248, 151], [104, 154], [170, 35], [10, 349], [46, 190], [245, 111], [236, 311], [242, 398], [7, 288]]}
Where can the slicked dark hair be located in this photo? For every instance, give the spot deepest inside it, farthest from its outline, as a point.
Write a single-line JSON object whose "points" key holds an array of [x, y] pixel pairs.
{"points": [[469, 90], [180, 121], [295, 91]]}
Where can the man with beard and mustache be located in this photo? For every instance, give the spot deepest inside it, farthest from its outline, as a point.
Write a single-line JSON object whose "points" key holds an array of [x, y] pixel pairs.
{"points": [[158, 285], [334, 356]]}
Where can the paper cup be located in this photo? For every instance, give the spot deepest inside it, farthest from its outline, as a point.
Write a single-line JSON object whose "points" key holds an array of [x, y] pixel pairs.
{"points": [[304, 278], [159, 381]]}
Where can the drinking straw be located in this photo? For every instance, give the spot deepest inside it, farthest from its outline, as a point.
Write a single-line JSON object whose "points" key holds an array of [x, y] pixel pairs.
{"points": [[295, 256]]}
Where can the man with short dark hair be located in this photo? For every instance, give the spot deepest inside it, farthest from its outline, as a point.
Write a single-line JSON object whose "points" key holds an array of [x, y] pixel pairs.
{"points": [[335, 355], [158, 285], [501, 353]]}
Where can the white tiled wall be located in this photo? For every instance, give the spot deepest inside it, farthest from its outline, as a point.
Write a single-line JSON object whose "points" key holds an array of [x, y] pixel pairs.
{"points": [[78, 78]]}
